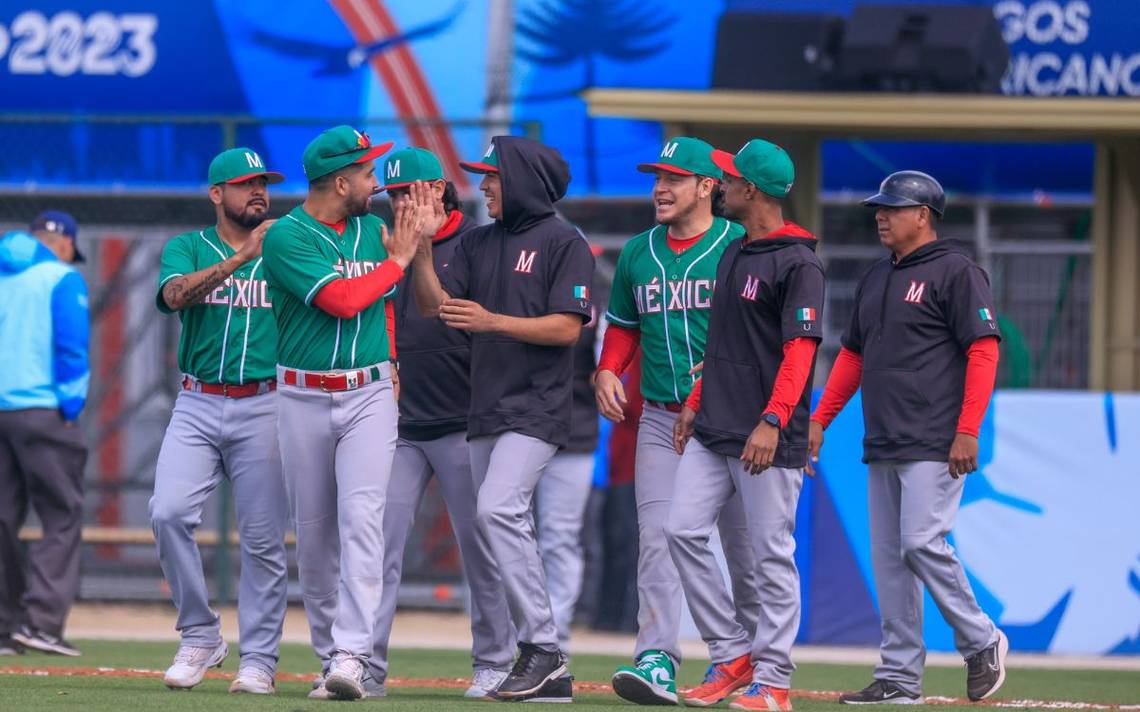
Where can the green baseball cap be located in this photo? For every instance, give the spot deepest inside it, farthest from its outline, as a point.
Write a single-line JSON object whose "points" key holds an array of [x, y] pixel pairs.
{"points": [[488, 164], [761, 163], [338, 147], [685, 156], [409, 165], [238, 165]]}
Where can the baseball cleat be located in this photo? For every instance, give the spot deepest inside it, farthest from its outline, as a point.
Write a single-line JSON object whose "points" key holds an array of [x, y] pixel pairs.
{"points": [[253, 680], [319, 692], [721, 680], [558, 690], [484, 682], [649, 682], [345, 680], [881, 692], [759, 696], [9, 646], [533, 669], [44, 642], [191, 663], [985, 671]]}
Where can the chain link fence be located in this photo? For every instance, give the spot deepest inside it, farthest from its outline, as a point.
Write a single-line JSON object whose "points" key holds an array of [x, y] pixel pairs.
{"points": [[1039, 259]]}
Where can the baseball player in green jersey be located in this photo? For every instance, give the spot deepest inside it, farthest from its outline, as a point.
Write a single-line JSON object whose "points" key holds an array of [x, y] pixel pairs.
{"points": [[330, 264], [224, 425], [662, 293]]}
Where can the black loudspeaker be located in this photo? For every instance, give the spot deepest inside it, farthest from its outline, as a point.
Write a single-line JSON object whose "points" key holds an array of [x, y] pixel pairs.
{"points": [[775, 52], [934, 48]]}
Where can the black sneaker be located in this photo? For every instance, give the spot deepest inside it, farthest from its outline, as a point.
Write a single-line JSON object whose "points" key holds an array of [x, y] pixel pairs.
{"points": [[985, 671], [560, 689], [533, 669], [9, 646], [44, 642], [881, 692]]}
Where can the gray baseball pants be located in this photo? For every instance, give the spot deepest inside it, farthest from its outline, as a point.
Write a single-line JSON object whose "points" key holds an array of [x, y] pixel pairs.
{"points": [[658, 580], [506, 469], [560, 506], [210, 437], [41, 463], [448, 458], [709, 481], [336, 452], [912, 507]]}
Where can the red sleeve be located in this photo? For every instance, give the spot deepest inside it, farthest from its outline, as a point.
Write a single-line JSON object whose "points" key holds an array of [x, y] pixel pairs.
{"points": [[981, 372], [390, 323], [345, 298], [618, 348], [846, 374], [791, 378], [693, 402]]}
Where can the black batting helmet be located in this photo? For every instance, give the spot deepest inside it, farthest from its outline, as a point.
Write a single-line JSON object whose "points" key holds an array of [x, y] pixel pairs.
{"points": [[909, 189]]}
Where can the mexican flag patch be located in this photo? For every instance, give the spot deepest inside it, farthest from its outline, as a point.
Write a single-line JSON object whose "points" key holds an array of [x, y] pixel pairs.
{"points": [[805, 314], [581, 292], [986, 314]]}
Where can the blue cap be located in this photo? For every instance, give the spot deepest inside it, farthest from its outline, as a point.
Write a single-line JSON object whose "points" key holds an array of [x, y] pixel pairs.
{"points": [[60, 223]]}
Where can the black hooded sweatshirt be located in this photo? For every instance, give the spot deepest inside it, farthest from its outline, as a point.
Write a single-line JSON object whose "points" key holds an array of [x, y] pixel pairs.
{"points": [[435, 379], [768, 291], [529, 263], [913, 322]]}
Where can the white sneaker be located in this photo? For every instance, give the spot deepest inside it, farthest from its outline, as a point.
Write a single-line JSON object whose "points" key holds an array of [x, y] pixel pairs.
{"points": [[190, 665], [345, 680], [319, 692], [253, 680], [485, 681]]}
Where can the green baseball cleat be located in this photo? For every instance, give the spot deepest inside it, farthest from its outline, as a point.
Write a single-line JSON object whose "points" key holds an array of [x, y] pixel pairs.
{"points": [[649, 682]]}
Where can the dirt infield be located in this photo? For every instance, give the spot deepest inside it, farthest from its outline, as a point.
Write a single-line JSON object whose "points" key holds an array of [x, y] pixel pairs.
{"points": [[580, 687]]}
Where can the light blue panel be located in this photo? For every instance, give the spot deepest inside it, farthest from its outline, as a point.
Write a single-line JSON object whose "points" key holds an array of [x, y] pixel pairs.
{"points": [[1048, 529]]}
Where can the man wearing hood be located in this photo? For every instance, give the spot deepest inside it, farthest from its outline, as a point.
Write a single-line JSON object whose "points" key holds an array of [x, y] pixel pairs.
{"points": [[521, 287], [43, 387], [435, 397], [749, 413], [923, 342]]}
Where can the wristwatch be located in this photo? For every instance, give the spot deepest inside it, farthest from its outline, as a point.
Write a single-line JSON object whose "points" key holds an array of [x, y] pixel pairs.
{"points": [[771, 419]]}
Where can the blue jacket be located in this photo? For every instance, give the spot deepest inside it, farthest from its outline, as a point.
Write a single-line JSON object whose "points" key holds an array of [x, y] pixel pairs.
{"points": [[44, 329]]}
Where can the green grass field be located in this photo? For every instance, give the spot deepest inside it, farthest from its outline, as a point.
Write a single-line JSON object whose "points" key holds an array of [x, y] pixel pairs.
{"points": [[31, 692]]}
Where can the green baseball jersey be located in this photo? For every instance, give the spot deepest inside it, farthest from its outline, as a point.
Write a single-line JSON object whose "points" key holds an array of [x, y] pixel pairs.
{"points": [[230, 336], [668, 297], [301, 256]]}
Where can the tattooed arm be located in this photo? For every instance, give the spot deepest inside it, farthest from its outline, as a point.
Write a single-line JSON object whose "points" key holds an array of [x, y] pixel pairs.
{"points": [[189, 289]]}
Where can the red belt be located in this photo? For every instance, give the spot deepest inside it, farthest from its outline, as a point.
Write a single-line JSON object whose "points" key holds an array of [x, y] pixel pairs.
{"points": [[332, 382], [229, 390], [671, 407]]}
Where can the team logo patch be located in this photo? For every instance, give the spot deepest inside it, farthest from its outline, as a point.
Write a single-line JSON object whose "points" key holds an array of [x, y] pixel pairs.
{"points": [[526, 261], [362, 140], [751, 287], [914, 292], [805, 314], [581, 291]]}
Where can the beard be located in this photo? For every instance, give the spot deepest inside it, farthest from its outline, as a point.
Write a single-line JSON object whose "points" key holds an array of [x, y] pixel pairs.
{"points": [[249, 217], [357, 206]]}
